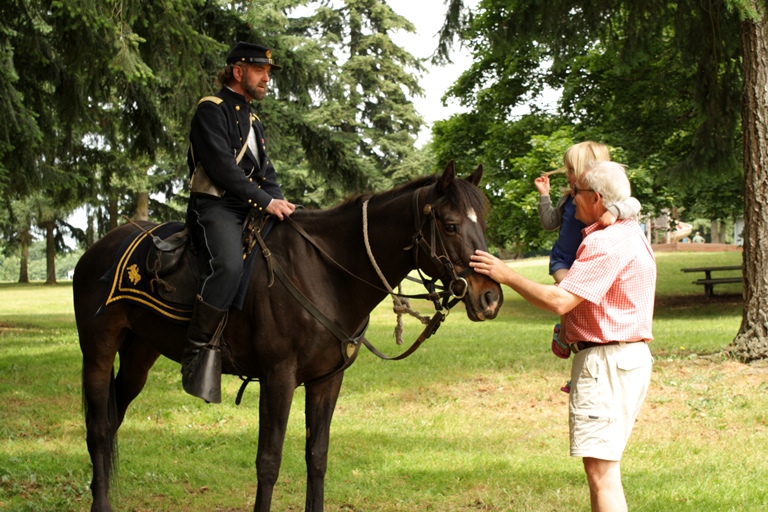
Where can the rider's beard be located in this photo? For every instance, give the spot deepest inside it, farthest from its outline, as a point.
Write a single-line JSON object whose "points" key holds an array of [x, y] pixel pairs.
{"points": [[252, 90]]}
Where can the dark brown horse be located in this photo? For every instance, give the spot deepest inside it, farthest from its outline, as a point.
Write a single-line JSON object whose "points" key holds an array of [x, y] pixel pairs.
{"points": [[273, 338]]}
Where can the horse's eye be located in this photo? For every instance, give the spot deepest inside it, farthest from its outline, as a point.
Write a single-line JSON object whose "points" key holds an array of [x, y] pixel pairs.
{"points": [[451, 228]]}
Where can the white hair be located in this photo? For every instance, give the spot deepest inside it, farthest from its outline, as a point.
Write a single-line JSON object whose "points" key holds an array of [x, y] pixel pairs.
{"points": [[610, 180]]}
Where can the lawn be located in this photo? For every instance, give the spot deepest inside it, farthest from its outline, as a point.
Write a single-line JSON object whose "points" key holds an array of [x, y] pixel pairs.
{"points": [[474, 420]]}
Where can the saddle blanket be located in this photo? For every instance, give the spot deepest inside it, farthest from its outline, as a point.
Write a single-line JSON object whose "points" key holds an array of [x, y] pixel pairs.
{"points": [[173, 295], [130, 279]]}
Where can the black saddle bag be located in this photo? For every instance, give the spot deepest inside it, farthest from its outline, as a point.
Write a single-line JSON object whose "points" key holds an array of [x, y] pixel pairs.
{"points": [[174, 267], [165, 255]]}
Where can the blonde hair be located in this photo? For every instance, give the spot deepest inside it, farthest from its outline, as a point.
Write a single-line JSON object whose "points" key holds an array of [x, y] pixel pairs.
{"points": [[578, 157]]}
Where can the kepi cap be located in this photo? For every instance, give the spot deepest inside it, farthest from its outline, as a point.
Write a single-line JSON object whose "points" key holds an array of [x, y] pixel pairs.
{"points": [[249, 53]]}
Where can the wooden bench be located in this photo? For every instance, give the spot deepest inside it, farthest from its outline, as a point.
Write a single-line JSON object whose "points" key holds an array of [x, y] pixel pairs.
{"points": [[709, 282]]}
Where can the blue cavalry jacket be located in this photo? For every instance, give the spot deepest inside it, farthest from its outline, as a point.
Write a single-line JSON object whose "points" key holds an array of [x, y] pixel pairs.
{"points": [[219, 130]]}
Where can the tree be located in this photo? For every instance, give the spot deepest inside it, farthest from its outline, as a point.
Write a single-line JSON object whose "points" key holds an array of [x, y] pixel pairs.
{"points": [[20, 135], [16, 223], [513, 158], [340, 99], [660, 80], [751, 342], [99, 117], [102, 77], [625, 78]]}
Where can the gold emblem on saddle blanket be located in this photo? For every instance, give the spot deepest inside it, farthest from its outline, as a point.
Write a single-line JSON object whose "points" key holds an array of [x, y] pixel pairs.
{"points": [[133, 273]]}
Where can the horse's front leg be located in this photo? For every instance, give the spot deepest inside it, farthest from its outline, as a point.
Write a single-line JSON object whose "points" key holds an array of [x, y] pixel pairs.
{"points": [[321, 401], [275, 400]]}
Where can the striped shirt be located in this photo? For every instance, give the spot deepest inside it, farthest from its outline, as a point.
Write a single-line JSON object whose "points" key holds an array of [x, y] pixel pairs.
{"points": [[615, 274]]}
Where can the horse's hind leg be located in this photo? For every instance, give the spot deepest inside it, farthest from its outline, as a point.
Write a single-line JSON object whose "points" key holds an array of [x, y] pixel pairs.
{"points": [[136, 359], [106, 399], [100, 409], [320, 404]]}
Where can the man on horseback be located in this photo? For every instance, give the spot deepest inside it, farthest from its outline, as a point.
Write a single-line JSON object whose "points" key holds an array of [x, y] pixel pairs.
{"points": [[230, 175]]}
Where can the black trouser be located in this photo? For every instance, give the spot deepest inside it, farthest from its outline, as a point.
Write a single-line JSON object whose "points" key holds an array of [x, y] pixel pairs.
{"points": [[217, 227]]}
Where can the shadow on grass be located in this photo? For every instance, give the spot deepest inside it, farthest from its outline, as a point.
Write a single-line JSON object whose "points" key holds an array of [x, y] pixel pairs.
{"points": [[699, 305]]}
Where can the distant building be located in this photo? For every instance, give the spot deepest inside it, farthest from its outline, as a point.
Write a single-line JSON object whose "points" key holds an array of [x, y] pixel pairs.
{"points": [[738, 232]]}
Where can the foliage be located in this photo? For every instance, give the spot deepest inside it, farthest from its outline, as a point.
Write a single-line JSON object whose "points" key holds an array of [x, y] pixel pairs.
{"points": [[659, 82], [98, 119], [354, 125], [515, 222]]}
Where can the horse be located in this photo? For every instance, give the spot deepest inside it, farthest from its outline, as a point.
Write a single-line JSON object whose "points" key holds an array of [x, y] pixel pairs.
{"points": [[328, 261]]}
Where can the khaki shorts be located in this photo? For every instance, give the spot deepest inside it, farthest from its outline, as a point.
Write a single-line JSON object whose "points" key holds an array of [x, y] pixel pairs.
{"points": [[608, 386]]}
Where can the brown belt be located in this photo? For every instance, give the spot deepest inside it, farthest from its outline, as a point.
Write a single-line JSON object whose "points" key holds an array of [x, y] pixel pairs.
{"points": [[581, 345]]}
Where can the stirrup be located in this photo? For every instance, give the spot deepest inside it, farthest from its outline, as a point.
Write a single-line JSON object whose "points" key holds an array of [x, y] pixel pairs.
{"points": [[201, 377]]}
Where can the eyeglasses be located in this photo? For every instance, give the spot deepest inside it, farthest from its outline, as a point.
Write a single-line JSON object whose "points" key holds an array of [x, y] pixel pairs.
{"points": [[576, 190]]}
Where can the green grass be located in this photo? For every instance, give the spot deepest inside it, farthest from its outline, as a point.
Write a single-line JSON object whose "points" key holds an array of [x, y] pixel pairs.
{"points": [[474, 420]]}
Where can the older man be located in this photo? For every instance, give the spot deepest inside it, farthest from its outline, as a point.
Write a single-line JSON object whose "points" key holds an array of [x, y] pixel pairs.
{"points": [[608, 296]]}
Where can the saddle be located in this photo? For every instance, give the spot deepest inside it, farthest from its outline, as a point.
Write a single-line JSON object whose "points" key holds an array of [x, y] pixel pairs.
{"points": [[174, 264], [159, 267]]}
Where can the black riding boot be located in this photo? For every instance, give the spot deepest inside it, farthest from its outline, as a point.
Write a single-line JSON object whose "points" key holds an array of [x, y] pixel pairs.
{"points": [[201, 360]]}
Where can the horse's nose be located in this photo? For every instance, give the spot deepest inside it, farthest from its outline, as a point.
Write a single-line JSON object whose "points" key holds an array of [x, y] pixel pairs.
{"points": [[491, 302]]}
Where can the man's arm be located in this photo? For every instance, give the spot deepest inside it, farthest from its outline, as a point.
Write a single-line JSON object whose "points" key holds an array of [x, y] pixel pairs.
{"points": [[626, 208], [544, 296]]}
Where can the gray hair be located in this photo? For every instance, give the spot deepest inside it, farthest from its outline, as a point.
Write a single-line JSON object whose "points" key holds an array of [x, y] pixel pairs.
{"points": [[610, 180]]}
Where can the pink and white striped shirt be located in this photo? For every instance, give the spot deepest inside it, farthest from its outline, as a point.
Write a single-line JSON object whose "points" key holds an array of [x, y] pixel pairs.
{"points": [[615, 274]]}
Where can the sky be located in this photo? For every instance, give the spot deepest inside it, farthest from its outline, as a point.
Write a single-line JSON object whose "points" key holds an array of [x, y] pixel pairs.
{"points": [[428, 16]]}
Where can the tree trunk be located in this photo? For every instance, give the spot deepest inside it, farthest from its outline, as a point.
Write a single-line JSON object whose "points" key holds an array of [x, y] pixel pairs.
{"points": [[90, 230], [50, 253], [112, 211], [751, 342], [142, 206], [24, 259], [717, 230]]}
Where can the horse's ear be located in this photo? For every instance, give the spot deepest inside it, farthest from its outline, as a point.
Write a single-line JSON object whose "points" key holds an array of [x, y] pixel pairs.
{"points": [[449, 174], [476, 176]]}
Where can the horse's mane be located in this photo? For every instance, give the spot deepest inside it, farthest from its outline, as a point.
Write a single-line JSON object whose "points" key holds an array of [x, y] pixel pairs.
{"points": [[395, 192], [462, 194]]}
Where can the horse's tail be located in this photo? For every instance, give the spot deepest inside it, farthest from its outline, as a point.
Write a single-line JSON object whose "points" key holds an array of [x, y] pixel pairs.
{"points": [[110, 455]]}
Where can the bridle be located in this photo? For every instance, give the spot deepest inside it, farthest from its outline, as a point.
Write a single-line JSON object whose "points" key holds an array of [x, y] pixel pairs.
{"points": [[452, 295], [418, 244], [457, 284]]}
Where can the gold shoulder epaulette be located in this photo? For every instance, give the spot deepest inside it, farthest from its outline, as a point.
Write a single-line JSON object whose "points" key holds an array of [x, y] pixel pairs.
{"points": [[214, 99], [254, 117]]}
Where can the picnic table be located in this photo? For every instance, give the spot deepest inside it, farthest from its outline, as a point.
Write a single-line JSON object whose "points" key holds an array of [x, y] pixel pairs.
{"points": [[709, 282]]}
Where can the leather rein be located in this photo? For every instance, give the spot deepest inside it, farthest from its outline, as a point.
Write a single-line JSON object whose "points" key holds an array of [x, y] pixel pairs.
{"points": [[444, 299]]}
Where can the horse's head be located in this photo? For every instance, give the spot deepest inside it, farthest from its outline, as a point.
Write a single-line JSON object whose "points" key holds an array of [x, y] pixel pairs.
{"points": [[452, 218]]}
